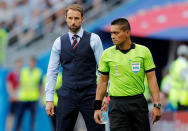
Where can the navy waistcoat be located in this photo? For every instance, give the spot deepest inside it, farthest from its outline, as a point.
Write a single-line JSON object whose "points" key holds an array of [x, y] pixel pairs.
{"points": [[79, 66]]}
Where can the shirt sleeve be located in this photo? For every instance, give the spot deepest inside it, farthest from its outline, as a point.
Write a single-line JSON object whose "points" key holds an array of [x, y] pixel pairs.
{"points": [[96, 46], [103, 64], [53, 69], [148, 61], [183, 74], [9, 77]]}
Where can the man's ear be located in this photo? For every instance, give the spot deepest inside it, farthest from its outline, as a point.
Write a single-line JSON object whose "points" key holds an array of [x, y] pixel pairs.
{"points": [[128, 32], [65, 18], [82, 19]]}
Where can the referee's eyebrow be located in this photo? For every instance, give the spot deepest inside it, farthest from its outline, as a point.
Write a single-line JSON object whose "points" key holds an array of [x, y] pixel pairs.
{"points": [[112, 32]]}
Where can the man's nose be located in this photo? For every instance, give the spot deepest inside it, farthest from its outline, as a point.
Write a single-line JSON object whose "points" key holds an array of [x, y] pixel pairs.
{"points": [[73, 21], [112, 36]]}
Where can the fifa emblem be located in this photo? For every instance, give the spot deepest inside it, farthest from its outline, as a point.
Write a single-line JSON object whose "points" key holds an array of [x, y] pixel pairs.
{"points": [[116, 71], [135, 67]]}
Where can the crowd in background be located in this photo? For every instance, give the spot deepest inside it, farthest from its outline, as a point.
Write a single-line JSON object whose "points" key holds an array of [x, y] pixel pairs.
{"points": [[28, 17]]}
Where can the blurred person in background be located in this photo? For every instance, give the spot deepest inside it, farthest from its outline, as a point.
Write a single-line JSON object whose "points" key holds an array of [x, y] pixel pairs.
{"points": [[24, 15], [167, 80], [166, 84], [29, 92], [12, 85], [7, 10], [126, 64], [178, 94], [3, 44], [78, 52], [57, 87], [166, 105]]}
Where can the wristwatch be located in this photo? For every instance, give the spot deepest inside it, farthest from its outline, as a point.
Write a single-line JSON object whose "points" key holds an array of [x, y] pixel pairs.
{"points": [[157, 105]]}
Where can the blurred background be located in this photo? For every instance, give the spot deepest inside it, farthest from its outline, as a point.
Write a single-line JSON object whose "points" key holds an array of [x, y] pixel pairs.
{"points": [[28, 29]]}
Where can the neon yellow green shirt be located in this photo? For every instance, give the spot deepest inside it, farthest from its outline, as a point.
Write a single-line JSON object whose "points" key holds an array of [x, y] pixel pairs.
{"points": [[126, 70]]}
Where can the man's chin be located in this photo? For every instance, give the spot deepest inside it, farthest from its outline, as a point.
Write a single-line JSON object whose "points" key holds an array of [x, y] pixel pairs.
{"points": [[74, 29], [116, 43]]}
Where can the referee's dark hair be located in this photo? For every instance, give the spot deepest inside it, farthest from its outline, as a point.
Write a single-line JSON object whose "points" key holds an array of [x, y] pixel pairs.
{"points": [[124, 23]]}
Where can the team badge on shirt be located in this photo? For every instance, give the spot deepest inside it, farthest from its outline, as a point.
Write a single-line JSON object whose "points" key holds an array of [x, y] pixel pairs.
{"points": [[135, 67]]}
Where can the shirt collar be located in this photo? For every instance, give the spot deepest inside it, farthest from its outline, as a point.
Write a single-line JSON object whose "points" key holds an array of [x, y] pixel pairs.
{"points": [[80, 33], [126, 51]]}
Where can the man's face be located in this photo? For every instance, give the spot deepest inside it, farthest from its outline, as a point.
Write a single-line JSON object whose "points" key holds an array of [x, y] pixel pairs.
{"points": [[19, 64], [74, 20], [32, 63], [118, 35]]}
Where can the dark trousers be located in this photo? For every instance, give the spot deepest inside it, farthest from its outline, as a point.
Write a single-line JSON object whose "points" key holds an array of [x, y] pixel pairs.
{"points": [[53, 119], [31, 106], [71, 103], [14, 107], [129, 113]]}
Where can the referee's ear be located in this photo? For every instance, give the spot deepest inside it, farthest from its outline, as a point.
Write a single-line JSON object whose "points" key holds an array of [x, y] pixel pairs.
{"points": [[128, 32]]}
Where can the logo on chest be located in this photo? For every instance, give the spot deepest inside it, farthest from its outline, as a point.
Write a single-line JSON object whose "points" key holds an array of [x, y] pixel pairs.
{"points": [[135, 67]]}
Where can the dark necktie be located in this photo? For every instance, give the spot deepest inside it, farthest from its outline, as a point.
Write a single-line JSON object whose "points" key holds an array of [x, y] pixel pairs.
{"points": [[75, 42]]}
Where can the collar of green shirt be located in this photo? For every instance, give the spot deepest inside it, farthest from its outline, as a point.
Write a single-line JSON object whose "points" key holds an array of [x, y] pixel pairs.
{"points": [[126, 51]]}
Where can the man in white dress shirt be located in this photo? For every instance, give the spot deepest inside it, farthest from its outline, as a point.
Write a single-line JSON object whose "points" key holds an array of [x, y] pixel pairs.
{"points": [[78, 52]]}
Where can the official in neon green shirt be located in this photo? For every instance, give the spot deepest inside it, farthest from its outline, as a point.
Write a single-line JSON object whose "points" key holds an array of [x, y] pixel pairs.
{"points": [[178, 94], [29, 92], [126, 70], [126, 64]]}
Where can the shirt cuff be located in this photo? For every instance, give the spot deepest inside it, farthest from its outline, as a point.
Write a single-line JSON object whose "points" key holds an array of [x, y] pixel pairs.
{"points": [[150, 70], [104, 73], [50, 97]]}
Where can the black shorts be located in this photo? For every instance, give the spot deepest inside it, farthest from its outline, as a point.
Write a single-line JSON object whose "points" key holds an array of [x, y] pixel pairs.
{"points": [[129, 113], [14, 107]]}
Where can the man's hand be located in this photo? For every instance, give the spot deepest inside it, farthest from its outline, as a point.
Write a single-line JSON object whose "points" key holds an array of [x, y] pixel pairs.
{"points": [[98, 116], [50, 108], [155, 115], [104, 104]]}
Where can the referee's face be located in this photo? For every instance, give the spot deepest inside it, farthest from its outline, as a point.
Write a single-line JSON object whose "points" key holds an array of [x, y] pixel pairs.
{"points": [[74, 20], [119, 36]]}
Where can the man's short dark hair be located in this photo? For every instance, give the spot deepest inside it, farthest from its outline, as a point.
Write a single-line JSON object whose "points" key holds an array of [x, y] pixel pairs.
{"points": [[76, 7], [124, 23]]}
